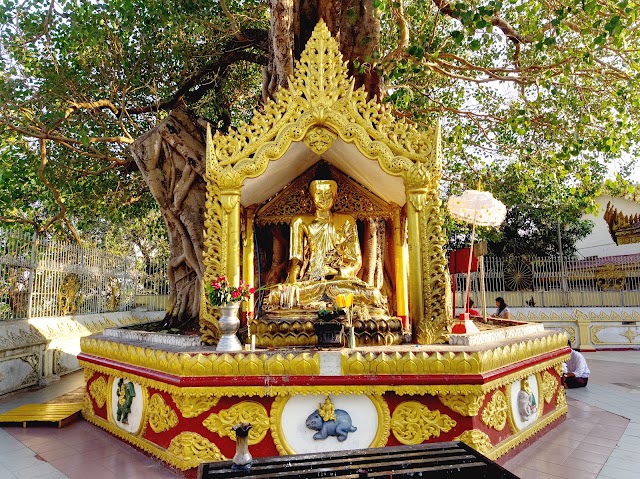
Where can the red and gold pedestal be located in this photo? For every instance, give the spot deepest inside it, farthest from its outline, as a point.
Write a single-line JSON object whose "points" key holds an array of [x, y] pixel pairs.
{"points": [[181, 406]]}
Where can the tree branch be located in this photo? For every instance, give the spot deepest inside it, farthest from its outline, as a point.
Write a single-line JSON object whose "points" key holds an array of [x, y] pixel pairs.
{"points": [[62, 213], [397, 11], [234, 51]]}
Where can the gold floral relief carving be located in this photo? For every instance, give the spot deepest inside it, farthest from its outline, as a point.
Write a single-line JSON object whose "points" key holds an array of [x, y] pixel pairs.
{"points": [[161, 416], [495, 412], [319, 139], [193, 449], [275, 419], [193, 406], [465, 404], [549, 386], [319, 91], [406, 362], [184, 364], [99, 391], [561, 399], [558, 369], [214, 258], [214, 392], [88, 374], [414, 423], [384, 421], [476, 439], [87, 406], [434, 326], [352, 199], [245, 412], [593, 331]]}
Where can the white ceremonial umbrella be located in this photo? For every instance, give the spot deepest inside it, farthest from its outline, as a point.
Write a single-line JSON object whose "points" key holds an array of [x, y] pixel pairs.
{"points": [[478, 208]]}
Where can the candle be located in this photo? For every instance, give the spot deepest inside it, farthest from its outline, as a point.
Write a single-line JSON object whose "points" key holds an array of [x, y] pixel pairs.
{"points": [[253, 342]]}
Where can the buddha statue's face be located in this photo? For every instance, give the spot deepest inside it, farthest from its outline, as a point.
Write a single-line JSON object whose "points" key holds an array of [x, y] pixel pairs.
{"points": [[323, 193]]}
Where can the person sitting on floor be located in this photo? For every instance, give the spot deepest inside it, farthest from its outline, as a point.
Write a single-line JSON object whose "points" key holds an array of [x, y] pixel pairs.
{"points": [[471, 311], [502, 311], [577, 372]]}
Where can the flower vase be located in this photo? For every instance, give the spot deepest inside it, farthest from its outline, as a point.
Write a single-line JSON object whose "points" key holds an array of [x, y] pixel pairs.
{"points": [[229, 324], [352, 337]]}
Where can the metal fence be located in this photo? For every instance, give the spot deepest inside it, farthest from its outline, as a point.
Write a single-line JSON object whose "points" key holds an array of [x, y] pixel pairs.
{"points": [[41, 277], [549, 282]]}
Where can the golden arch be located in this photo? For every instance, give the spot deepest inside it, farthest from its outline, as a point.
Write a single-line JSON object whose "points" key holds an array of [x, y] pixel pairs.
{"points": [[321, 107]]}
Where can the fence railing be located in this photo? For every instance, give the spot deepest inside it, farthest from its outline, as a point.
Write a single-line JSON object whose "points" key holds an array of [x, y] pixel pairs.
{"points": [[549, 282], [41, 277]]}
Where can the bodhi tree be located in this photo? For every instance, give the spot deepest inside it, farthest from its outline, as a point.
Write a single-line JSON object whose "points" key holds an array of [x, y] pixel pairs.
{"points": [[105, 102]]}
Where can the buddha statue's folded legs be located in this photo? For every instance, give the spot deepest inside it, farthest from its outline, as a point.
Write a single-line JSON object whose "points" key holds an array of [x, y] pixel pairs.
{"points": [[316, 294]]}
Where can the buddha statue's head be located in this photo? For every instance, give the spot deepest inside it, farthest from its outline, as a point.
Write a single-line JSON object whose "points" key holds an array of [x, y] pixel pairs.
{"points": [[323, 193]]}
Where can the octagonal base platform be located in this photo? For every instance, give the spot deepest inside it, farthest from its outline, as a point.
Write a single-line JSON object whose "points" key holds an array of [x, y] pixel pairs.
{"points": [[180, 403]]}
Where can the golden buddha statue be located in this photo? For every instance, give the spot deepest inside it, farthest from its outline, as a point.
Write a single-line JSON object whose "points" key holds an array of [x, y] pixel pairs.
{"points": [[324, 256]]}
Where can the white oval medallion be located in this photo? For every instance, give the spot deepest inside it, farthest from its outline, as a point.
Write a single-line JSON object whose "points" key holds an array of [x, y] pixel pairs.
{"points": [[126, 406], [356, 418]]}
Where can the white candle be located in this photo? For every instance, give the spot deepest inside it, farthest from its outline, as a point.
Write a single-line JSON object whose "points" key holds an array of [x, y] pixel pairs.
{"points": [[253, 342]]}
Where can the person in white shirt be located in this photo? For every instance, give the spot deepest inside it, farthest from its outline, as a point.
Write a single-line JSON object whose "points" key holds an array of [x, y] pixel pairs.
{"points": [[577, 373], [502, 310]]}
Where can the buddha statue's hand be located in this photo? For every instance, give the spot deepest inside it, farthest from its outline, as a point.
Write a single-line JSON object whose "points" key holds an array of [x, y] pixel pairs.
{"points": [[294, 272], [329, 271]]}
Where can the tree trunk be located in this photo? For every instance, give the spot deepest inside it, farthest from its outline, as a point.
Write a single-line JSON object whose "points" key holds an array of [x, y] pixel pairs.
{"points": [[354, 23], [171, 160], [171, 155]]}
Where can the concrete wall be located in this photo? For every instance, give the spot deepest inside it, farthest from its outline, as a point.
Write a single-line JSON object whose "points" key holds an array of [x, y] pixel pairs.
{"points": [[589, 329], [38, 351]]}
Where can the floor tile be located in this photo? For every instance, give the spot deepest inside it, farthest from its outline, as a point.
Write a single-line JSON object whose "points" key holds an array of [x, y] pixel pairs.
{"points": [[24, 462], [36, 471], [526, 473], [588, 456], [582, 466], [92, 472], [611, 472]]}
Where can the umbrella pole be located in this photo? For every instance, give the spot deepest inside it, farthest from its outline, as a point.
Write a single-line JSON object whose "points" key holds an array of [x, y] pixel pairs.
{"points": [[466, 297]]}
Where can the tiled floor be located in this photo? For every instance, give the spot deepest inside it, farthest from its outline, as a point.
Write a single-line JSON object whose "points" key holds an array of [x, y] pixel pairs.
{"points": [[599, 438]]}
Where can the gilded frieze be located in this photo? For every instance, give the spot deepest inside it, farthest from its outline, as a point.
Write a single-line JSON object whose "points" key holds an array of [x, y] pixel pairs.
{"points": [[272, 390], [558, 368], [194, 449], [434, 269], [574, 315], [561, 399], [295, 200], [192, 405], [414, 423], [476, 439], [593, 331], [319, 139], [495, 412], [87, 406], [549, 386], [450, 362], [161, 416], [99, 391], [214, 257], [183, 364], [467, 405], [245, 412], [88, 374]]}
